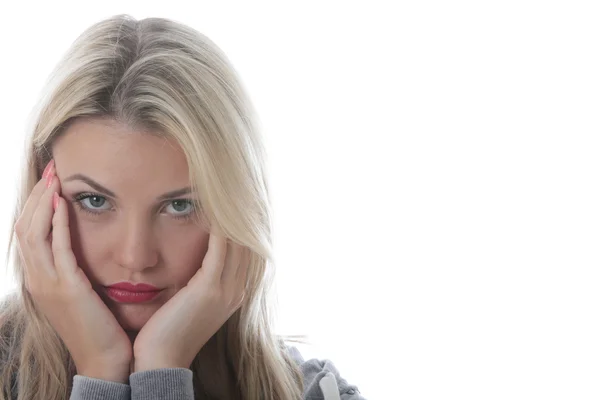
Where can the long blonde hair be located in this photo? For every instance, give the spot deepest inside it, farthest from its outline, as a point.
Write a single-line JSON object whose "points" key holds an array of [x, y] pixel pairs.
{"points": [[158, 75]]}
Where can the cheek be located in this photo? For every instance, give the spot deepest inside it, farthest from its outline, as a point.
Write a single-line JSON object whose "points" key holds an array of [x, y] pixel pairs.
{"points": [[89, 243], [183, 251]]}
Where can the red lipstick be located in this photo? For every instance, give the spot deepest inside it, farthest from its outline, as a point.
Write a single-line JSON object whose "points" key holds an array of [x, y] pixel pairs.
{"points": [[126, 292]]}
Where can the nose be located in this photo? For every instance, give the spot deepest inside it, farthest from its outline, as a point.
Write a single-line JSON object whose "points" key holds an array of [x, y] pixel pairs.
{"points": [[136, 247]]}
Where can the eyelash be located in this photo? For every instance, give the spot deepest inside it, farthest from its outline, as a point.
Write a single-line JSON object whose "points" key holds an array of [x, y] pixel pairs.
{"points": [[82, 196]]}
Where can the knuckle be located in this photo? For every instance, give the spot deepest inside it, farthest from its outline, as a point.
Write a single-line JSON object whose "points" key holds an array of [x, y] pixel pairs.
{"points": [[32, 239], [19, 229]]}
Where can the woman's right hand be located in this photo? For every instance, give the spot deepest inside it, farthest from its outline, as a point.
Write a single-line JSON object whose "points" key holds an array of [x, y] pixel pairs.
{"points": [[62, 292]]}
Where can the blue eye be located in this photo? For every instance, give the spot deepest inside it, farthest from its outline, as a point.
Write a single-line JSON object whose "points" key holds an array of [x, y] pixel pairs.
{"points": [[180, 204], [94, 202]]}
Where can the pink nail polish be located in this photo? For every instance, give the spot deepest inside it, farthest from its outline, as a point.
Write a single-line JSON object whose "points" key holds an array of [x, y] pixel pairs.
{"points": [[48, 168], [50, 179], [55, 201]]}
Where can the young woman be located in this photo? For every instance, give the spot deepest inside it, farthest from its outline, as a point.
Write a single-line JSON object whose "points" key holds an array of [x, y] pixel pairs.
{"points": [[143, 230]]}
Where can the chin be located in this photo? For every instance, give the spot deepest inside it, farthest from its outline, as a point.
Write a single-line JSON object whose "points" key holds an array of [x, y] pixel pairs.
{"points": [[132, 317]]}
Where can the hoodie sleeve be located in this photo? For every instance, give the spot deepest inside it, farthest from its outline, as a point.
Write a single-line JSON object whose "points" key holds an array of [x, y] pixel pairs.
{"points": [[86, 388], [156, 384], [162, 384], [322, 380]]}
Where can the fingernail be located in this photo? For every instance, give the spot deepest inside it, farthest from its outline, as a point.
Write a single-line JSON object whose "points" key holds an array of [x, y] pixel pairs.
{"points": [[50, 179], [48, 168], [55, 201]]}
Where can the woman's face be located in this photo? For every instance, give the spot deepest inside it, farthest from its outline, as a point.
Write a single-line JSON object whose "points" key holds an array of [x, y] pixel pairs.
{"points": [[127, 231]]}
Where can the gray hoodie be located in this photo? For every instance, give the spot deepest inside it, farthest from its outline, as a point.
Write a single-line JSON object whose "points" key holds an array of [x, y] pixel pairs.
{"points": [[322, 381]]}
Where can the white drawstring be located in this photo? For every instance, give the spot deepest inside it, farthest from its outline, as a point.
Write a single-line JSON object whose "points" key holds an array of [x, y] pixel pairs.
{"points": [[329, 387]]}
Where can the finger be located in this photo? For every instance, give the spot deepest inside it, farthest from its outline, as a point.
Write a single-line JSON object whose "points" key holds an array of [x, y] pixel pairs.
{"points": [[232, 264], [214, 260], [41, 222], [24, 221], [64, 259], [242, 272], [38, 257], [241, 276]]}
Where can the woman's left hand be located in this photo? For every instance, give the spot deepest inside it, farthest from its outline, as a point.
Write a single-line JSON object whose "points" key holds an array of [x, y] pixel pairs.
{"points": [[175, 333]]}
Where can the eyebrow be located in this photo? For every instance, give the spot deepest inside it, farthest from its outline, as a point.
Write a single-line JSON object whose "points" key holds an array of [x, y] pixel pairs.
{"points": [[100, 188]]}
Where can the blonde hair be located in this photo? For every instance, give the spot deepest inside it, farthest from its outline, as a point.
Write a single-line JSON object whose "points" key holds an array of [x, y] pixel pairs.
{"points": [[162, 77]]}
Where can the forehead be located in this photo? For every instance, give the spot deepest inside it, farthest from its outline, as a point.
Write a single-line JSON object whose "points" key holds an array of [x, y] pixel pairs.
{"points": [[111, 151]]}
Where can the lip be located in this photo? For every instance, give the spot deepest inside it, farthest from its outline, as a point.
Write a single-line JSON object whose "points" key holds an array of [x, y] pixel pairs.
{"points": [[134, 287], [126, 292]]}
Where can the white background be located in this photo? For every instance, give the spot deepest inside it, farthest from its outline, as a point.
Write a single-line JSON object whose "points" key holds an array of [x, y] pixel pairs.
{"points": [[435, 172]]}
